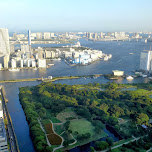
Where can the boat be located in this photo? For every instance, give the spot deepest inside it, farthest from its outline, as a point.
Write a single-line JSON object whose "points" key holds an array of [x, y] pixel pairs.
{"points": [[144, 76], [14, 70], [130, 53], [129, 78]]}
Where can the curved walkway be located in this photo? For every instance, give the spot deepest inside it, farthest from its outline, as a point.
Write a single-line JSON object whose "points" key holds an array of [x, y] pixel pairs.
{"points": [[74, 141], [149, 150], [61, 146], [121, 144]]}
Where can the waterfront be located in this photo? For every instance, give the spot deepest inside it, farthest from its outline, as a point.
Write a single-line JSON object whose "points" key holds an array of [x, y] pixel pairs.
{"points": [[121, 60]]}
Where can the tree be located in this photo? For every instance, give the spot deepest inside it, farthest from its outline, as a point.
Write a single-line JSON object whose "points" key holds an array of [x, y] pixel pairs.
{"points": [[92, 149], [142, 118], [101, 145], [110, 141], [65, 143]]}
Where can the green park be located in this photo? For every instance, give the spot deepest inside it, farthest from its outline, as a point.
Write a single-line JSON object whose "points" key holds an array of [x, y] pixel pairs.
{"points": [[62, 117]]}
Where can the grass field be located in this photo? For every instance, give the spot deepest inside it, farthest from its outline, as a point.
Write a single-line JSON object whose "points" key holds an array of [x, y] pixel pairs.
{"points": [[82, 126]]}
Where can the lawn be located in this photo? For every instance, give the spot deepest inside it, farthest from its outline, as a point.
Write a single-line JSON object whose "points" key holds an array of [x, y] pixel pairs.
{"points": [[58, 129], [81, 126], [53, 119]]}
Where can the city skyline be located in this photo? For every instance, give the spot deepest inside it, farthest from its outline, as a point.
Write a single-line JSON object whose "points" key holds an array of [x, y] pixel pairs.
{"points": [[76, 15]]}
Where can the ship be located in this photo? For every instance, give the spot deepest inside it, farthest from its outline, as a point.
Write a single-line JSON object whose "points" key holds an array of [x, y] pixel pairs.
{"points": [[14, 70]]}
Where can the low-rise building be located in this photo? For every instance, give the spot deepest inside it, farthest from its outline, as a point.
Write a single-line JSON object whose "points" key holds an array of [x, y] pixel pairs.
{"points": [[118, 73]]}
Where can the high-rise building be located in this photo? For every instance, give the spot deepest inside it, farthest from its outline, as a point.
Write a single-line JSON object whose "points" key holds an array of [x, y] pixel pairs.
{"points": [[95, 35], [42, 63], [52, 34], [40, 53], [46, 35], [101, 34], [21, 63], [13, 63], [87, 34], [90, 35], [12, 48], [38, 35], [29, 37], [145, 60], [14, 36], [6, 60], [25, 48], [4, 42]]}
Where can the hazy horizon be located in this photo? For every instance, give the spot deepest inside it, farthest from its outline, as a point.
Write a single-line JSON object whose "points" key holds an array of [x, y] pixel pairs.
{"points": [[68, 15]]}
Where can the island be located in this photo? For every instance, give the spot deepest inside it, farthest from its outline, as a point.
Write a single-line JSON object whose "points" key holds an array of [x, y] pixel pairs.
{"points": [[62, 117]]}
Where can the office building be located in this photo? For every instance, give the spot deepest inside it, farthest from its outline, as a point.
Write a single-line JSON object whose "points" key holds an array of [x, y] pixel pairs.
{"points": [[101, 34], [46, 35], [29, 37], [40, 53], [21, 63], [42, 63], [95, 35], [90, 35], [13, 63], [4, 42], [39, 35], [25, 48], [6, 60], [14, 36], [12, 48], [52, 34], [87, 34], [145, 60], [33, 63], [1, 67], [48, 54]]}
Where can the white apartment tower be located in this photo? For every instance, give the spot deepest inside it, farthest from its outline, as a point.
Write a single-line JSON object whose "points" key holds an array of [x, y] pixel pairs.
{"points": [[4, 41]]}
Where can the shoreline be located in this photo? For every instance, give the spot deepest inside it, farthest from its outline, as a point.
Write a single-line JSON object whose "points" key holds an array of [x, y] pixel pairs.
{"points": [[50, 80]]}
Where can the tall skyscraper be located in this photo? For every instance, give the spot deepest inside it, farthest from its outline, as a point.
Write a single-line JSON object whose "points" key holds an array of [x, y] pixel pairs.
{"points": [[145, 59], [29, 37], [4, 41]]}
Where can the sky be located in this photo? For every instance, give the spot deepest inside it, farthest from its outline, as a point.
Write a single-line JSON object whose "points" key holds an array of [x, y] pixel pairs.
{"points": [[76, 15]]}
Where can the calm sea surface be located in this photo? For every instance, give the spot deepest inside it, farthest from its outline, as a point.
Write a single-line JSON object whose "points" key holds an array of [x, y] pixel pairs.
{"points": [[121, 60]]}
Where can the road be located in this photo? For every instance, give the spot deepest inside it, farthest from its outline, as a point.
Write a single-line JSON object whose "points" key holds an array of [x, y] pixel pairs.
{"points": [[11, 133]]}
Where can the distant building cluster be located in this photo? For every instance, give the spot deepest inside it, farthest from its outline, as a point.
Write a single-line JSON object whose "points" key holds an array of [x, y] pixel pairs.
{"points": [[38, 36], [107, 36]]}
